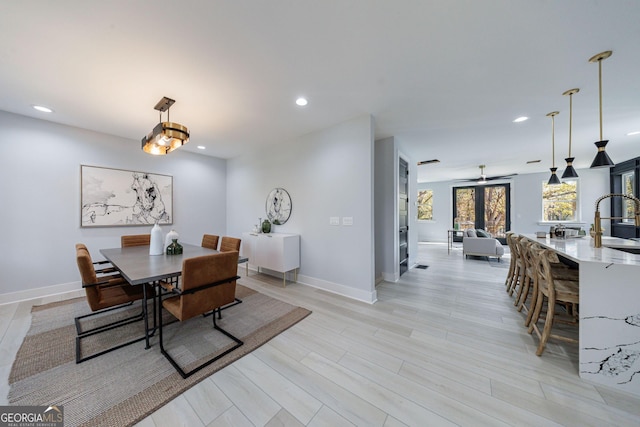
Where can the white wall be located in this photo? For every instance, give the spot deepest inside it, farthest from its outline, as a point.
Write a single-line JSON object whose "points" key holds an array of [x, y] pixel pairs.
{"points": [[526, 204], [386, 208], [327, 173], [388, 152], [40, 192]]}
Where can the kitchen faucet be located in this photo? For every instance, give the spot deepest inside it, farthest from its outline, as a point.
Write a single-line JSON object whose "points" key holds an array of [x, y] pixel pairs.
{"points": [[597, 227]]}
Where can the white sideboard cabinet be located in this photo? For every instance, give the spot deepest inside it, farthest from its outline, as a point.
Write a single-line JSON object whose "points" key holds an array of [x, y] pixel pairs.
{"points": [[274, 251]]}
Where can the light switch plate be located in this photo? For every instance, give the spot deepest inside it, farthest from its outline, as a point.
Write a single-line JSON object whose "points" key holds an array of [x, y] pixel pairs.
{"points": [[334, 220], [347, 220]]}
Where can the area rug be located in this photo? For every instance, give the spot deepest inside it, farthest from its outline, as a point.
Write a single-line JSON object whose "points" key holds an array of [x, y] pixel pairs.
{"points": [[122, 387]]}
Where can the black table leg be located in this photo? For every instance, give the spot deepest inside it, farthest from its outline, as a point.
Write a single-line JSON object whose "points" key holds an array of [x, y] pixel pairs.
{"points": [[146, 316]]}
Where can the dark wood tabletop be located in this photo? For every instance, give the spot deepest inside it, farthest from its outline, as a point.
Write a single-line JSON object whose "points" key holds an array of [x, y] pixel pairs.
{"points": [[138, 267]]}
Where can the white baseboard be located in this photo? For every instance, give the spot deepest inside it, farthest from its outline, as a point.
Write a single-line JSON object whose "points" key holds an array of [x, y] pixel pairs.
{"points": [[72, 288], [390, 277], [47, 291], [334, 288]]}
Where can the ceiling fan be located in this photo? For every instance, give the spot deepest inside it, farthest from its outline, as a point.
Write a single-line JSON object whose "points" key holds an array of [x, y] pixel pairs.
{"points": [[484, 178]]}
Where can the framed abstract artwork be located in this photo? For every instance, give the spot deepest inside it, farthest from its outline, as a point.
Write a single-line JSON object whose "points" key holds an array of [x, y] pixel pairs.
{"points": [[278, 206], [118, 197]]}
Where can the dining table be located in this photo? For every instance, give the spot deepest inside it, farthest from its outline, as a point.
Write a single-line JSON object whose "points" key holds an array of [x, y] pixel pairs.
{"points": [[138, 267]]}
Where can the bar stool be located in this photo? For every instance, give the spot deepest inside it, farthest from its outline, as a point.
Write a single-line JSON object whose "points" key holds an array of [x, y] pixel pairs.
{"points": [[555, 291], [515, 267], [527, 272]]}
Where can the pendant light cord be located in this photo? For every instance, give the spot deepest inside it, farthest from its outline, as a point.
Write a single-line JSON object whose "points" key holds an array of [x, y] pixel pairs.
{"points": [[570, 119], [553, 142], [600, 92]]}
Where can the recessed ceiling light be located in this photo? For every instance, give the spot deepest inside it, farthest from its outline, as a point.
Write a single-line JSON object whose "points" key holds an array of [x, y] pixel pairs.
{"points": [[201, 147], [633, 133], [520, 119], [302, 101], [43, 108]]}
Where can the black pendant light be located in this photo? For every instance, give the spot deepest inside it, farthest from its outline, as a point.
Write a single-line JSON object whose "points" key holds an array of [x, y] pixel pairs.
{"points": [[570, 172], [553, 180], [602, 159]]}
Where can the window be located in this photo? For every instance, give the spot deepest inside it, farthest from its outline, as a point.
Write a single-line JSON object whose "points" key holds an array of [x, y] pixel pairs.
{"points": [[560, 202], [628, 206], [425, 205], [464, 209], [483, 207]]}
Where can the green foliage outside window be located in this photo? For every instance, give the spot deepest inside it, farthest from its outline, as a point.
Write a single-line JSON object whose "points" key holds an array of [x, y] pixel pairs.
{"points": [[425, 205], [559, 202], [628, 205], [465, 207]]}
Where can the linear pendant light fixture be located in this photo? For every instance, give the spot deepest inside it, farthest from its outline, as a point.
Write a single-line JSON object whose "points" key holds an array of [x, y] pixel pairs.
{"points": [[166, 136], [602, 159], [570, 172], [553, 179]]}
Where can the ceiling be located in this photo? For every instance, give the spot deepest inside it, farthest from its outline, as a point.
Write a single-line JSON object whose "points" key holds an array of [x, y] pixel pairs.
{"points": [[446, 78]]}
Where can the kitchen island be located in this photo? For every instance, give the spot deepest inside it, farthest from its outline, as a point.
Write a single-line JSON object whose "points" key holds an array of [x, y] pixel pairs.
{"points": [[609, 334]]}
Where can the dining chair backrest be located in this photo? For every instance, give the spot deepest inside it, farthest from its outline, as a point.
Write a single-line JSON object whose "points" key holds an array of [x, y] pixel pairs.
{"points": [[135, 240], [106, 290], [540, 259], [230, 244], [544, 260], [85, 265], [514, 246], [210, 241], [205, 270]]}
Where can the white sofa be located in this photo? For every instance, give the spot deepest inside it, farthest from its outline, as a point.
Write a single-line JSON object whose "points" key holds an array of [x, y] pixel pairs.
{"points": [[472, 244]]}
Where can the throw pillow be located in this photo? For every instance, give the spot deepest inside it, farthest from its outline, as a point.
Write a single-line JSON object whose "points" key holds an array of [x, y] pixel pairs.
{"points": [[482, 233], [470, 232]]}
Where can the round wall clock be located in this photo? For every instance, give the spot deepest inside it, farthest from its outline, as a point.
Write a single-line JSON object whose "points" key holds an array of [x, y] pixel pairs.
{"points": [[278, 206]]}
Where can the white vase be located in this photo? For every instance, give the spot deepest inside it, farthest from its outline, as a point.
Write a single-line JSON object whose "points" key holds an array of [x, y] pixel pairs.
{"points": [[157, 241], [173, 234]]}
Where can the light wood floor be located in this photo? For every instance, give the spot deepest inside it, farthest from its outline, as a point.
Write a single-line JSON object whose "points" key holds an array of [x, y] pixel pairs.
{"points": [[443, 346]]}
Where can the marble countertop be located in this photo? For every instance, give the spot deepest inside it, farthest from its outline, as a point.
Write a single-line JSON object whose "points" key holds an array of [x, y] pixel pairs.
{"points": [[581, 249]]}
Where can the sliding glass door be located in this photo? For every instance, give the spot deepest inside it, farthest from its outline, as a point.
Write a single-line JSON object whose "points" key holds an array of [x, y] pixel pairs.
{"points": [[483, 206]]}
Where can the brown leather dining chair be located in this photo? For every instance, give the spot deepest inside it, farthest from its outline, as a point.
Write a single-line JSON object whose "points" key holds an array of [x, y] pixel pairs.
{"points": [[106, 291], [135, 240], [207, 283], [230, 244], [210, 241]]}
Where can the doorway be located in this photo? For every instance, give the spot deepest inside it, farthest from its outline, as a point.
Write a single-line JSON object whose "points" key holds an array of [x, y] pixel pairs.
{"points": [[403, 215], [485, 207]]}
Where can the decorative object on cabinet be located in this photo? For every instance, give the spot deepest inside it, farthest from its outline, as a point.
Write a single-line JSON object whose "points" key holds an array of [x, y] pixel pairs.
{"points": [[278, 206], [266, 226], [279, 252], [106, 198], [165, 136]]}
